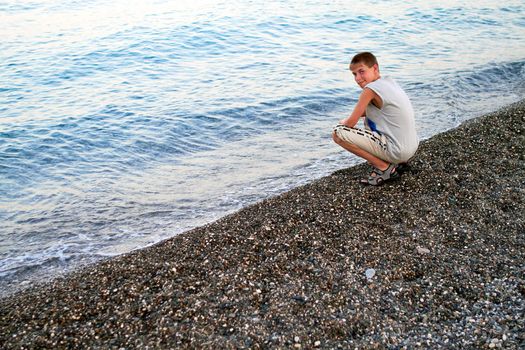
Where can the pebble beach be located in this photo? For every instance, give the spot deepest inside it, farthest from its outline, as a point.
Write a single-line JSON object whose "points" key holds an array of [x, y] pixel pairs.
{"points": [[434, 259]]}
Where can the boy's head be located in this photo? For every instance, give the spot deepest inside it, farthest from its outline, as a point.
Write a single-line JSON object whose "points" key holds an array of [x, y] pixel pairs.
{"points": [[365, 68], [366, 58]]}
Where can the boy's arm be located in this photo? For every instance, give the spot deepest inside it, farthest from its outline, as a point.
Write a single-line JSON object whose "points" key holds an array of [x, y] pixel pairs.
{"points": [[360, 108]]}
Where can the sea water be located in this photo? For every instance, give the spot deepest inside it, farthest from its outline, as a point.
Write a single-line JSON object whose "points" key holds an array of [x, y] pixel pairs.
{"points": [[125, 123]]}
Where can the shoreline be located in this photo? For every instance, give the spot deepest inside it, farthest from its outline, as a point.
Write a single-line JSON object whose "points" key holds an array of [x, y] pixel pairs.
{"points": [[446, 243]]}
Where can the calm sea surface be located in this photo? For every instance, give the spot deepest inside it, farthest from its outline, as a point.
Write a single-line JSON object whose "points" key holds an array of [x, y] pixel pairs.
{"points": [[125, 123]]}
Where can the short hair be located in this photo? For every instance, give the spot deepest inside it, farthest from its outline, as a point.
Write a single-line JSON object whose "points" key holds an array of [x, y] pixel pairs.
{"points": [[366, 58]]}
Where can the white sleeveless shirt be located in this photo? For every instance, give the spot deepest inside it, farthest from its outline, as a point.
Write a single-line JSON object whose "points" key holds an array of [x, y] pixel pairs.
{"points": [[395, 120]]}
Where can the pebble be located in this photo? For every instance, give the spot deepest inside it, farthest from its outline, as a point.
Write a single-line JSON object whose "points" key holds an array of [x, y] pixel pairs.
{"points": [[422, 250], [370, 273]]}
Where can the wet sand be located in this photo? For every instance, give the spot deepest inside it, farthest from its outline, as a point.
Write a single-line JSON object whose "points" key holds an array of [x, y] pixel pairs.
{"points": [[435, 259]]}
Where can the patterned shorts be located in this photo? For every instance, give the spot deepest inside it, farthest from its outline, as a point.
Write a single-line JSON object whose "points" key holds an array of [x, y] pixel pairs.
{"points": [[367, 140]]}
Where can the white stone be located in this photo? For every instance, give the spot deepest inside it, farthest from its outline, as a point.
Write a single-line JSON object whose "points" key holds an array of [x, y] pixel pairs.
{"points": [[422, 250]]}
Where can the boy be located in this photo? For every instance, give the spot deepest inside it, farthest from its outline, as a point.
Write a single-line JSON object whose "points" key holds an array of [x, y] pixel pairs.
{"points": [[389, 138]]}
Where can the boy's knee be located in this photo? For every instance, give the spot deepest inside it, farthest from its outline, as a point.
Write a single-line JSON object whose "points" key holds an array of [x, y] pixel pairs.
{"points": [[335, 137]]}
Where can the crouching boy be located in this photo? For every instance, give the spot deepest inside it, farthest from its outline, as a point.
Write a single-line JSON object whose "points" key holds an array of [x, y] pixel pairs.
{"points": [[389, 138]]}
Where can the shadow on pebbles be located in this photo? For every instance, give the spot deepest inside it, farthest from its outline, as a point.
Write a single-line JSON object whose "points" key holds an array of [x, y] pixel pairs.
{"points": [[434, 259]]}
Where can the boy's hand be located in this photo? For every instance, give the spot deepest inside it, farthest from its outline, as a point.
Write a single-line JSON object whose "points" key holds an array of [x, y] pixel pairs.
{"points": [[345, 122]]}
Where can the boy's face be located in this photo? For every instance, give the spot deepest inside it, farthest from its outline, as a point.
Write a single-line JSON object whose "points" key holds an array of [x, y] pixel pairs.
{"points": [[364, 74]]}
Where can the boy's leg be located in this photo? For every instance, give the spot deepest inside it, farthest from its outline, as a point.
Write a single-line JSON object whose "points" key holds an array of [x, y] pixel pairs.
{"points": [[375, 161], [362, 143]]}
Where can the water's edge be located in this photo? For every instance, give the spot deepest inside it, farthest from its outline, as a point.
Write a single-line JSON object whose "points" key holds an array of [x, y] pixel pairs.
{"points": [[44, 281]]}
